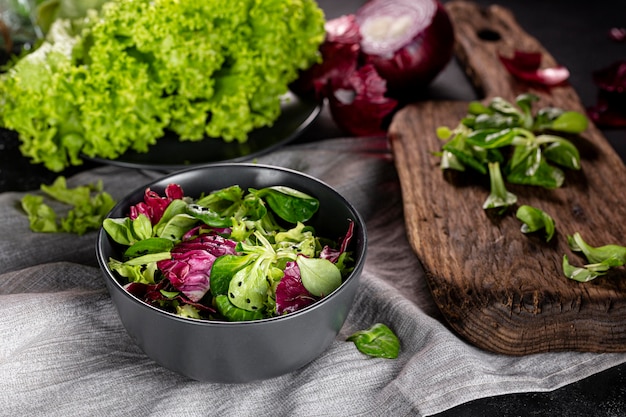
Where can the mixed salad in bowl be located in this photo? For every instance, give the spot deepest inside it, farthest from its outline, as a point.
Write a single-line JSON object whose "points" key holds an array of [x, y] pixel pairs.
{"points": [[233, 254]]}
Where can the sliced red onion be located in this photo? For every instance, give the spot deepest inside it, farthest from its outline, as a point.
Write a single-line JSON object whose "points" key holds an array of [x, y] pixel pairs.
{"points": [[409, 42], [526, 66], [387, 26], [376, 58]]}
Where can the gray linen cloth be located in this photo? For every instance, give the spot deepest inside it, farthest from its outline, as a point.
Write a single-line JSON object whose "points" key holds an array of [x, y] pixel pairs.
{"points": [[64, 352]]}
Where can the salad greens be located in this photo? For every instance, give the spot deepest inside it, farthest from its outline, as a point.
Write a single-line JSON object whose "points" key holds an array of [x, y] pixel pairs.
{"points": [[118, 76], [601, 259], [532, 152], [232, 254], [499, 197], [512, 145], [378, 341], [90, 205], [47, 11], [529, 147], [534, 219]]}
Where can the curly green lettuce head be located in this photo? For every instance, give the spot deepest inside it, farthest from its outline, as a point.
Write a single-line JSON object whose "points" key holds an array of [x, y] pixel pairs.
{"points": [[136, 68]]}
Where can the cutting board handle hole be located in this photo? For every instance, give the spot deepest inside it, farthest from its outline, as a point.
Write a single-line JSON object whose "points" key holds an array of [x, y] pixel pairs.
{"points": [[488, 35]]}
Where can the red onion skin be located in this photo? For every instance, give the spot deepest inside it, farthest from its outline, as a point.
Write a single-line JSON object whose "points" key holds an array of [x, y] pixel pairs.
{"points": [[414, 66]]}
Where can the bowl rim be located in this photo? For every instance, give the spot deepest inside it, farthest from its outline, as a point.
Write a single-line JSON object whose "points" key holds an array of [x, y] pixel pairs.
{"points": [[110, 277]]}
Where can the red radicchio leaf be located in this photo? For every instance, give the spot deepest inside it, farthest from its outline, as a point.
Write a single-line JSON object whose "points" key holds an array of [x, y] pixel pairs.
{"points": [[290, 292], [190, 265], [154, 205], [358, 103], [608, 115], [144, 291], [174, 192], [526, 66], [333, 254]]}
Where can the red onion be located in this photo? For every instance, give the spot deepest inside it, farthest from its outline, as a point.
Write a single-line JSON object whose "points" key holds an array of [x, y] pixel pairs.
{"points": [[409, 42], [372, 60]]}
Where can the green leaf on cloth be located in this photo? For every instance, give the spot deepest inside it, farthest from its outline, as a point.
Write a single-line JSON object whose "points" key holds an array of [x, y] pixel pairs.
{"points": [[90, 204]]}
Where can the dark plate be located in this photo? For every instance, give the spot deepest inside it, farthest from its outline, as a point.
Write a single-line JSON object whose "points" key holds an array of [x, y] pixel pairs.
{"points": [[171, 154]]}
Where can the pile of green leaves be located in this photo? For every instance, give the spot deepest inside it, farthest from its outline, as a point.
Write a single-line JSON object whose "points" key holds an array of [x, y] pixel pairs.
{"points": [[117, 78], [512, 145], [530, 146], [89, 206]]}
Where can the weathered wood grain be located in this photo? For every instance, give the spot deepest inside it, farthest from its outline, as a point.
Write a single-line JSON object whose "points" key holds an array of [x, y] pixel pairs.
{"points": [[498, 288]]}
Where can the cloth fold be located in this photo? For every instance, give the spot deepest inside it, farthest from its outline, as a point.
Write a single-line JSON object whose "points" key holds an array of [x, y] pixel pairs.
{"points": [[65, 352]]}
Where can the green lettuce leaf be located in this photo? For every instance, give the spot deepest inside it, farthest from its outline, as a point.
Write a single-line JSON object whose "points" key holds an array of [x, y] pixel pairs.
{"points": [[89, 206]]}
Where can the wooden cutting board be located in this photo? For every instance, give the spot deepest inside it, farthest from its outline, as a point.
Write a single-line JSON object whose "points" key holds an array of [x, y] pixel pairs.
{"points": [[502, 290]]}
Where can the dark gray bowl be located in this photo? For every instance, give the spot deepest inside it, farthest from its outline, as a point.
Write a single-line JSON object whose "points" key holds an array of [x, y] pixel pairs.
{"points": [[240, 351]]}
